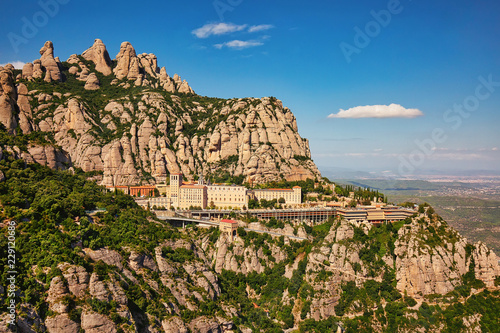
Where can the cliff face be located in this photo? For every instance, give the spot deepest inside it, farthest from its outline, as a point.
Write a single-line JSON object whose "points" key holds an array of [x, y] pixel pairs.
{"points": [[130, 120], [426, 256]]}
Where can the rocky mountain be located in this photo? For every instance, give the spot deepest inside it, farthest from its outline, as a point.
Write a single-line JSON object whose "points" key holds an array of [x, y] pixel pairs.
{"points": [[129, 121], [122, 270]]}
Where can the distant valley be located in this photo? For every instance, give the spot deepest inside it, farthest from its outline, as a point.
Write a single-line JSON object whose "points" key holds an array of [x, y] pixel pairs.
{"points": [[471, 205]]}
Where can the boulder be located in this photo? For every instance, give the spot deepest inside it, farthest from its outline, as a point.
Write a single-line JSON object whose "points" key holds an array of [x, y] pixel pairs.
{"points": [[92, 82]]}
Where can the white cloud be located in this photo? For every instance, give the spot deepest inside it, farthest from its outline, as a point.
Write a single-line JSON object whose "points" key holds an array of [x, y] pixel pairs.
{"points": [[377, 111], [17, 64], [239, 44], [260, 27], [217, 29]]}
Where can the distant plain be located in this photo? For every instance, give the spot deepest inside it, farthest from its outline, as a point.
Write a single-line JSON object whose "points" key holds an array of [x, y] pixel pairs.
{"points": [[471, 205]]}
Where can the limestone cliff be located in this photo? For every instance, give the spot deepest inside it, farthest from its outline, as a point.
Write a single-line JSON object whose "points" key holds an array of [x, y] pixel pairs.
{"points": [[129, 120]]}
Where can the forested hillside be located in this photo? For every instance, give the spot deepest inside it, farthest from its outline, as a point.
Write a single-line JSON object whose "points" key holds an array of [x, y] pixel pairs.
{"points": [[122, 270]]}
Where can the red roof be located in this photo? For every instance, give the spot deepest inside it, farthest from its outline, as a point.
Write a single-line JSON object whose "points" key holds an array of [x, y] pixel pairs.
{"points": [[228, 221]]}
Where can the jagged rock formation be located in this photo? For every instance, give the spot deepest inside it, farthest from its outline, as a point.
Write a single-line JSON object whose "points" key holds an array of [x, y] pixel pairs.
{"points": [[8, 96], [428, 257], [424, 269], [142, 124], [98, 54], [51, 66]]}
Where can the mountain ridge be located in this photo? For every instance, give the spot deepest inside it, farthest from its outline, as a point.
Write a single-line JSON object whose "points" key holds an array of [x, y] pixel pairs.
{"points": [[129, 120]]}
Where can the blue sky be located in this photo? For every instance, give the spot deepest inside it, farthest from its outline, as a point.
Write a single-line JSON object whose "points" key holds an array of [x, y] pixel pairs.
{"points": [[421, 55]]}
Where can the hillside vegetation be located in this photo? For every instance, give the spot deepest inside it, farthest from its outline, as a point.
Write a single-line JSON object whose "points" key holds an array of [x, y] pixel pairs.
{"points": [[123, 270]]}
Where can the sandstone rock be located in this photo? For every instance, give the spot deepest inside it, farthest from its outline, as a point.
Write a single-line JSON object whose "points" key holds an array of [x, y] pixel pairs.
{"points": [[56, 292], [487, 264], [37, 69], [204, 325], [109, 257], [61, 324], [174, 325], [73, 70], [53, 73], [30, 323], [77, 277], [185, 88], [125, 160], [8, 96], [27, 72], [138, 261], [98, 54], [98, 288], [96, 323], [149, 63], [49, 156], [73, 59], [124, 59], [92, 82]]}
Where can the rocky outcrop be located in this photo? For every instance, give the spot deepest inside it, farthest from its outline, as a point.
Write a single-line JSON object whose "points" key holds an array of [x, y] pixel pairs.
{"points": [[25, 113], [174, 325], [61, 324], [96, 323], [76, 277], [424, 270], [250, 257], [487, 264], [27, 72], [92, 82], [52, 71], [49, 156], [127, 66], [47, 67], [138, 261], [204, 325], [109, 257], [8, 96], [98, 54], [57, 291]]}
